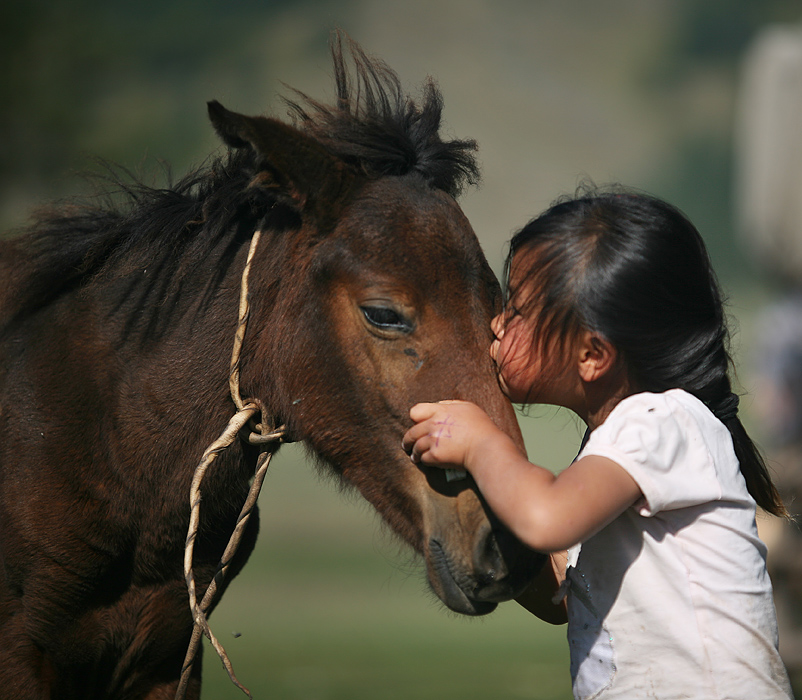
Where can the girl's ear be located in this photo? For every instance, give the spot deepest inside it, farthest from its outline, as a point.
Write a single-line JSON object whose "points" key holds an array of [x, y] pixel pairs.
{"points": [[597, 356]]}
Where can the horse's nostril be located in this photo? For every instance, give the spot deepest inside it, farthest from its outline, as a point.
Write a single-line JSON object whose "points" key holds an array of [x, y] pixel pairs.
{"points": [[488, 560], [486, 578]]}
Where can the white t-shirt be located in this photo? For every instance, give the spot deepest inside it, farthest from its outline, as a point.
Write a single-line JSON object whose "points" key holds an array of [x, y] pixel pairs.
{"points": [[672, 599]]}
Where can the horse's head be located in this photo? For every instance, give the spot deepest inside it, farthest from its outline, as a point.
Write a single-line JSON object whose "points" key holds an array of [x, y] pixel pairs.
{"points": [[384, 299]]}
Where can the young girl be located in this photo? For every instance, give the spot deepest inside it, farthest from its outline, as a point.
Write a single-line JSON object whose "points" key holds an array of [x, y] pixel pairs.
{"points": [[614, 312]]}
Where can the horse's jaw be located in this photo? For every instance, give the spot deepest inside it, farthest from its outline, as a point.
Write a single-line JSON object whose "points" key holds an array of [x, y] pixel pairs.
{"points": [[472, 562]]}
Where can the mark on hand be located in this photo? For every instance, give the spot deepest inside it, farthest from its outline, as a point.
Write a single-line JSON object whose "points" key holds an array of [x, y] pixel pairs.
{"points": [[444, 430]]}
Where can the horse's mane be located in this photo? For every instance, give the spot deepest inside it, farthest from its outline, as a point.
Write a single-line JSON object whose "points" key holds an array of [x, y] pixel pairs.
{"points": [[374, 126]]}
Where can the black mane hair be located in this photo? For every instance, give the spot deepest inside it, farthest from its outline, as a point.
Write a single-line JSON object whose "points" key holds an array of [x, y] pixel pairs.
{"points": [[374, 127]]}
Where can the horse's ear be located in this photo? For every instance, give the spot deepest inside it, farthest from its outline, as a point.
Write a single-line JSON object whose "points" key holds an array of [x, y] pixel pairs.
{"points": [[297, 163], [230, 126]]}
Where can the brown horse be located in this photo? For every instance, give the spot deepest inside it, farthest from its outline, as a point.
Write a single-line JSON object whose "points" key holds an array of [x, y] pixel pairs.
{"points": [[369, 292]]}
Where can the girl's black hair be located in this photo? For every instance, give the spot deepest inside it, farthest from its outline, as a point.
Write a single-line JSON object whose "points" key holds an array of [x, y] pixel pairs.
{"points": [[635, 269]]}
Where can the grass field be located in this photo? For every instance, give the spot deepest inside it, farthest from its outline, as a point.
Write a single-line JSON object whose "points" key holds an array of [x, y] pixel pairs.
{"points": [[330, 607]]}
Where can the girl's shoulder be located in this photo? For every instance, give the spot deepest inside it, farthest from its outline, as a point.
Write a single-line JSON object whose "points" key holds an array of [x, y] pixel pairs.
{"points": [[677, 451], [668, 422], [672, 402], [653, 423]]}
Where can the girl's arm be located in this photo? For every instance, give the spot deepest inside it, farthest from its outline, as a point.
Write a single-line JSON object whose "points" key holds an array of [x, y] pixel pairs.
{"points": [[546, 512], [538, 598]]}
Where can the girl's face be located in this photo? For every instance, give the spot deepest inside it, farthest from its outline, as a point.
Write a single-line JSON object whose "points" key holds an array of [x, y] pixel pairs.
{"points": [[528, 372], [512, 352]]}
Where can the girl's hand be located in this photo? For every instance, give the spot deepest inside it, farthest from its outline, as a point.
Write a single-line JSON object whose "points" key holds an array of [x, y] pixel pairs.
{"points": [[448, 433], [546, 512]]}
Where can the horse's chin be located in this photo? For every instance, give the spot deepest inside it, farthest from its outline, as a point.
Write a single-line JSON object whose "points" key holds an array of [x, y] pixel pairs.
{"points": [[451, 587], [465, 606]]}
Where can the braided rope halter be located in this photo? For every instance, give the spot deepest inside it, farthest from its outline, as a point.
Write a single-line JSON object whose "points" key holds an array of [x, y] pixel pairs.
{"points": [[260, 435]]}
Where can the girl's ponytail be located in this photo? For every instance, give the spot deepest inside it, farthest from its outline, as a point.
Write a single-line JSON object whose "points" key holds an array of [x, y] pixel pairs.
{"points": [[753, 466], [715, 391], [726, 409]]}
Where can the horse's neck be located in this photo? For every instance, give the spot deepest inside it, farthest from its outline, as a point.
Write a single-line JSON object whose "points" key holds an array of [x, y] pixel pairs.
{"points": [[161, 350]]}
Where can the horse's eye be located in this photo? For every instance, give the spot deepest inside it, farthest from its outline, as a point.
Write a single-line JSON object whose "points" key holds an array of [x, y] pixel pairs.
{"points": [[386, 319]]}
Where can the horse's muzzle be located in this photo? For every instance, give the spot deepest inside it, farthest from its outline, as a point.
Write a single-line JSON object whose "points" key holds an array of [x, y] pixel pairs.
{"points": [[500, 569]]}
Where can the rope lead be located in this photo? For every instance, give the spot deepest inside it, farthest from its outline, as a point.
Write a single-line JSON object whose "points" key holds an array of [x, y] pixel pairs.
{"points": [[246, 410]]}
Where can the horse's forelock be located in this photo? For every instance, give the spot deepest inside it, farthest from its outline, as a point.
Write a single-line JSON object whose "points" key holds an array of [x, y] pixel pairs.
{"points": [[381, 130]]}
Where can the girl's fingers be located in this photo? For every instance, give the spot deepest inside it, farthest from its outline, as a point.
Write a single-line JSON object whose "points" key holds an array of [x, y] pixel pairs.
{"points": [[417, 441], [422, 411], [419, 449], [431, 421], [415, 433]]}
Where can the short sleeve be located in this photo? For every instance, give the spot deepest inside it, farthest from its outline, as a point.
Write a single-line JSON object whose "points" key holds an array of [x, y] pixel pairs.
{"points": [[661, 444]]}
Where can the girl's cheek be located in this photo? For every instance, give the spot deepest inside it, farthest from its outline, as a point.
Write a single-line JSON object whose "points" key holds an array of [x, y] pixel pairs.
{"points": [[506, 360]]}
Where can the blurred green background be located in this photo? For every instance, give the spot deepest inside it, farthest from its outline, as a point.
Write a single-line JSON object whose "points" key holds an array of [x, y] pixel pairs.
{"points": [[637, 91]]}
